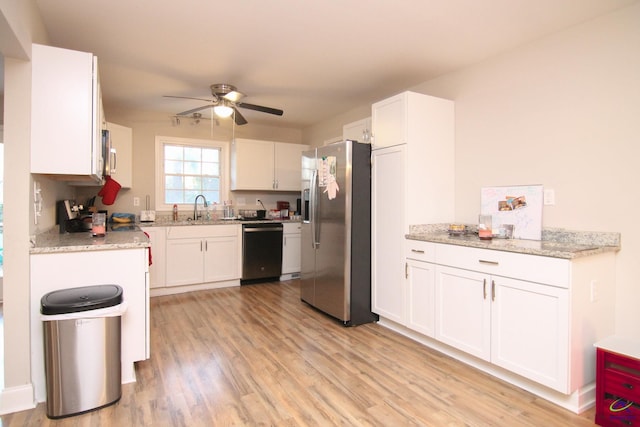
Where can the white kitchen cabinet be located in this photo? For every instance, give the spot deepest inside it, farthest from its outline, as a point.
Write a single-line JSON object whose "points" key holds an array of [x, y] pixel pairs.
{"points": [[157, 278], [121, 157], [358, 131], [203, 254], [525, 313], [515, 324], [463, 310], [291, 248], [66, 128], [387, 234], [412, 183], [127, 268], [420, 297], [265, 165]]}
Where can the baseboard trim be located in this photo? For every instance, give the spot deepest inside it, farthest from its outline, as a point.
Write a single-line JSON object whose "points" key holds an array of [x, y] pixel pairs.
{"points": [[577, 402], [15, 399]]}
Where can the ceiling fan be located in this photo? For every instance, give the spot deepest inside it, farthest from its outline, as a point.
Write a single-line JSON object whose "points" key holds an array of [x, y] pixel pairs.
{"points": [[225, 99]]}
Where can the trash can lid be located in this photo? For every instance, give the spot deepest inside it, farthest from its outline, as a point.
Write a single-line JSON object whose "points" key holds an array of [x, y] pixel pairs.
{"points": [[83, 298]]}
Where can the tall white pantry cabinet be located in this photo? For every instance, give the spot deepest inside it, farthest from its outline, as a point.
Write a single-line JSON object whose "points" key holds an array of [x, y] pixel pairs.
{"points": [[413, 144]]}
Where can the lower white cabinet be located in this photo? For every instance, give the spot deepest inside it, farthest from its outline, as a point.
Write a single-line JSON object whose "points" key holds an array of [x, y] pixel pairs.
{"points": [[534, 316], [157, 278], [202, 254], [291, 247], [127, 268], [421, 295]]}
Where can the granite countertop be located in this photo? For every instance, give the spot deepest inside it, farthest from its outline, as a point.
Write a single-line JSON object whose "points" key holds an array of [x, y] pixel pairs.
{"points": [[168, 222], [54, 242], [556, 243]]}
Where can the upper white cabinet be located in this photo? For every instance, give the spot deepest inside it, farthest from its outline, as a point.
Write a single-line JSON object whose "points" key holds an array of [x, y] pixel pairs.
{"points": [[121, 156], [412, 183], [265, 165], [66, 127], [358, 131]]}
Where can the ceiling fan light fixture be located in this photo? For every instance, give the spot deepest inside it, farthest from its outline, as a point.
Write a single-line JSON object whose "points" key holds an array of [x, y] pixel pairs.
{"points": [[223, 110]]}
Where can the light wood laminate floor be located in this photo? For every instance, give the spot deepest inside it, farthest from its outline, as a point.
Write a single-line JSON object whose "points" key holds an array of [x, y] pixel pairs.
{"points": [[256, 355]]}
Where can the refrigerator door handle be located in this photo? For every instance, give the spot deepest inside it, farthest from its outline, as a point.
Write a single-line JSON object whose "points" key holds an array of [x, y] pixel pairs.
{"points": [[313, 210]]}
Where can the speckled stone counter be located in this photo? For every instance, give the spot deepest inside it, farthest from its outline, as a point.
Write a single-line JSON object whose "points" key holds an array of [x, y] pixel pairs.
{"points": [[169, 222], [52, 241], [556, 243]]}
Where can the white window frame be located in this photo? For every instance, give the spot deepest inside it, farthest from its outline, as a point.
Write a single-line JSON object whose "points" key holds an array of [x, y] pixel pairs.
{"points": [[159, 163]]}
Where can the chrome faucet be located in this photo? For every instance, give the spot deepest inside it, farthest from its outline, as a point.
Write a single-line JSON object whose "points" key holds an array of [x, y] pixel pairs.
{"points": [[195, 206]]}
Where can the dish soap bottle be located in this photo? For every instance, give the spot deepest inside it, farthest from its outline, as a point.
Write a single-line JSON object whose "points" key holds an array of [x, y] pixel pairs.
{"points": [[175, 212]]}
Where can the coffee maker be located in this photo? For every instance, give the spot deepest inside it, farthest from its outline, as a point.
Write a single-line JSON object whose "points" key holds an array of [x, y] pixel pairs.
{"points": [[68, 216]]}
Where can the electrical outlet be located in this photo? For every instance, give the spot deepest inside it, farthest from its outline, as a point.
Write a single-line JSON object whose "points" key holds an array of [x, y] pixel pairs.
{"points": [[549, 197], [258, 202], [136, 201]]}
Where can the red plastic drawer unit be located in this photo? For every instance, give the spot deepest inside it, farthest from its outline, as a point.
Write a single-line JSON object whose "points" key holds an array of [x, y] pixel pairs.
{"points": [[617, 389]]}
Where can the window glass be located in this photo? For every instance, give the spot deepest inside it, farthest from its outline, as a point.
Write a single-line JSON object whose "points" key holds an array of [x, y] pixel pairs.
{"points": [[190, 170]]}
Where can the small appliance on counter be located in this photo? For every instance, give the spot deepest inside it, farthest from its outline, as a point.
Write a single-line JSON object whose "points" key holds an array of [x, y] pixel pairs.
{"points": [[283, 207], [147, 215]]}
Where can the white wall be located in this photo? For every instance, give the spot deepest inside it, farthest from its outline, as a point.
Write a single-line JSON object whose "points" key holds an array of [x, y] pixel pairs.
{"points": [[563, 112]]}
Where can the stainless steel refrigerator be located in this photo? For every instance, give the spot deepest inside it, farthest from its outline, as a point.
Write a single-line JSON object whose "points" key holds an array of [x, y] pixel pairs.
{"points": [[336, 231]]}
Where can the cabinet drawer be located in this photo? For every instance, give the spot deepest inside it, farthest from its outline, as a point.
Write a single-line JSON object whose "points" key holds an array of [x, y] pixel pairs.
{"points": [[618, 413], [291, 227], [418, 250], [198, 231], [533, 268], [622, 385]]}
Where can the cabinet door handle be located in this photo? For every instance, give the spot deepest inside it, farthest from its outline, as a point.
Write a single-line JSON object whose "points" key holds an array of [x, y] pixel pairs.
{"points": [[406, 270], [284, 240], [484, 288], [206, 246], [417, 251], [493, 290], [627, 386], [200, 245], [484, 261]]}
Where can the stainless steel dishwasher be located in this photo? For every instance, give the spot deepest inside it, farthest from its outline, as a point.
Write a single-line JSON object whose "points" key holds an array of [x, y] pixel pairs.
{"points": [[261, 252]]}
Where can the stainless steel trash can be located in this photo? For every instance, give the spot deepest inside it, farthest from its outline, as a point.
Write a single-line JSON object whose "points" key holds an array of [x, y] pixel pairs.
{"points": [[82, 348]]}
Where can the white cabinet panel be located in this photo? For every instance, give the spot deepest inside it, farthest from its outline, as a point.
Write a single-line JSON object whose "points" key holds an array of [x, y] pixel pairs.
{"points": [[66, 132], [530, 331], [412, 183], [221, 260], [358, 131], [389, 121], [463, 310], [387, 233], [202, 253], [252, 165], [157, 278], [421, 297], [288, 166], [266, 165], [127, 268], [185, 263], [291, 248]]}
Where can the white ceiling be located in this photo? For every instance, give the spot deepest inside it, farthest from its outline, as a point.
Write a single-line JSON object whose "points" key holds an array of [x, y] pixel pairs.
{"points": [[311, 58]]}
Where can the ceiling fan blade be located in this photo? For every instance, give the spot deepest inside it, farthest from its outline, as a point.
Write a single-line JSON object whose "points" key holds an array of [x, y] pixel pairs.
{"points": [[186, 97], [239, 118], [186, 113], [260, 108], [233, 96]]}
